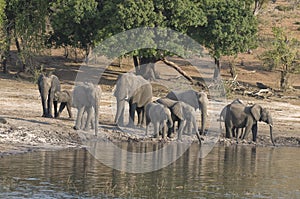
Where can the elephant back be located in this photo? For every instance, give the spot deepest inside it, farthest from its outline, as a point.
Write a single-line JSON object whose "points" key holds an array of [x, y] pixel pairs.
{"points": [[166, 101], [85, 93], [130, 85], [188, 96]]}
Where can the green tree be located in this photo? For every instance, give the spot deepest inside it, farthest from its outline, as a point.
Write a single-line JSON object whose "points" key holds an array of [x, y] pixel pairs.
{"points": [[231, 28], [282, 55], [179, 15], [25, 24], [74, 23], [2, 33]]}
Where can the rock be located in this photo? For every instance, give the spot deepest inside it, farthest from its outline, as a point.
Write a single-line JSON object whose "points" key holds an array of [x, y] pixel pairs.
{"points": [[3, 120]]}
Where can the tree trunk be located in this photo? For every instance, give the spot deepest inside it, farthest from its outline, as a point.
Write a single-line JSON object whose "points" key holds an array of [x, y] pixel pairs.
{"points": [[232, 69], [136, 64], [217, 75], [284, 80], [6, 52]]}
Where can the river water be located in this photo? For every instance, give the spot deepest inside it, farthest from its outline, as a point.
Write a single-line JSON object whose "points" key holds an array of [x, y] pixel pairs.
{"points": [[226, 172]]}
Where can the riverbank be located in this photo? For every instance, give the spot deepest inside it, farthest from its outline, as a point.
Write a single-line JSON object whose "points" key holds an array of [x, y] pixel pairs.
{"points": [[26, 130]]}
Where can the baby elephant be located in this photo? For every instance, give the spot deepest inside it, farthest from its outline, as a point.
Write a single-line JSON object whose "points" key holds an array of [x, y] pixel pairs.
{"points": [[159, 115], [65, 99]]}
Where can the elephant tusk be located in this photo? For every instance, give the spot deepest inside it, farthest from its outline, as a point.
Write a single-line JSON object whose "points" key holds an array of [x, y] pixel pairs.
{"points": [[271, 125]]}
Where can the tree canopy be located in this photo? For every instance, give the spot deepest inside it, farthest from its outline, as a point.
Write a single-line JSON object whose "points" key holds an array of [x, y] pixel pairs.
{"points": [[224, 27], [231, 28], [282, 55]]}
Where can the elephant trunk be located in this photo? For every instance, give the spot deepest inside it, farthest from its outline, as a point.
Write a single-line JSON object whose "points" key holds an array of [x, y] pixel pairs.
{"points": [[120, 111], [270, 122], [96, 117], [271, 134]]}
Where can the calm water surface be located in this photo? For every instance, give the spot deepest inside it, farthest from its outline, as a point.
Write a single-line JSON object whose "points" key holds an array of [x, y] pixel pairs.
{"points": [[227, 172]]}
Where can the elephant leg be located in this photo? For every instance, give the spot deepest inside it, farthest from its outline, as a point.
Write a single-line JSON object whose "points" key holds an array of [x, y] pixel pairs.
{"points": [[132, 108], [164, 129], [79, 118], [55, 108], [254, 132], [147, 128], [181, 127], [190, 128], [247, 130], [49, 107], [140, 113], [61, 108], [69, 110], [242, 132], [234, 132], [44, 104], [89, 118], [170, 130], [228, 130], [156, 129]]}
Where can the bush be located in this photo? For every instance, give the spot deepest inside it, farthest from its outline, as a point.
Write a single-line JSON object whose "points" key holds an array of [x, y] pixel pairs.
{"points": [[284, 8]]}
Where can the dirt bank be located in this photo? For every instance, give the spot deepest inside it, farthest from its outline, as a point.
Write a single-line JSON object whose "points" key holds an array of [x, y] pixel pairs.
{"points": [[26, 130]]}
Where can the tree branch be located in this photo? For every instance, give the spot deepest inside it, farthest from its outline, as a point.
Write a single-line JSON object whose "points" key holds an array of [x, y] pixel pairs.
{"points": [[178, 69]]}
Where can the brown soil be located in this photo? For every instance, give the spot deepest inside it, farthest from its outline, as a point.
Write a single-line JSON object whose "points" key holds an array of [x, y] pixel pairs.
{"points": [[26, 130]]}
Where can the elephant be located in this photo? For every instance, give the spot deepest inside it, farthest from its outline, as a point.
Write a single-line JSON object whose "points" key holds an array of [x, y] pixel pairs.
{"points": [[160, 116], [137, 92], [198, 100], [86, 98], [223, 115], [241, 116], [47, 87], [65, 99], [181, 112]]}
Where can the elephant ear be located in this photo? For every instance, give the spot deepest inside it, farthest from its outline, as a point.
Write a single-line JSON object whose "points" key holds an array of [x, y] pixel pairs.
{"points": [[256, 111], [177, 110]]}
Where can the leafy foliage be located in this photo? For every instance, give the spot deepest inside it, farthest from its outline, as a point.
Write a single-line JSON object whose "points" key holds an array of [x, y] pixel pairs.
{"points": [[231, 28], [282, 55], [179, 15], [74, 23]]}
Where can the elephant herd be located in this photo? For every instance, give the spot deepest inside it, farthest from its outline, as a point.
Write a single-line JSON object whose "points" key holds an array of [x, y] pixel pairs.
{"points": [[177, 107], [238, 116], [85, 98]]}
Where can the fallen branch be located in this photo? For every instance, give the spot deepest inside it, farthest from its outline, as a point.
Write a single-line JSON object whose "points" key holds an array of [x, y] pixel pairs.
{"points": [[178, 69]]}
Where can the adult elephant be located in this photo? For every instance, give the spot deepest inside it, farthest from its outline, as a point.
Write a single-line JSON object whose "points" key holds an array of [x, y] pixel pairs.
{"points": [[86, 98], [135, 90], [241, 116], [223, 115], [198, 100], [183, 113], [160, 116], [47, 87]]}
